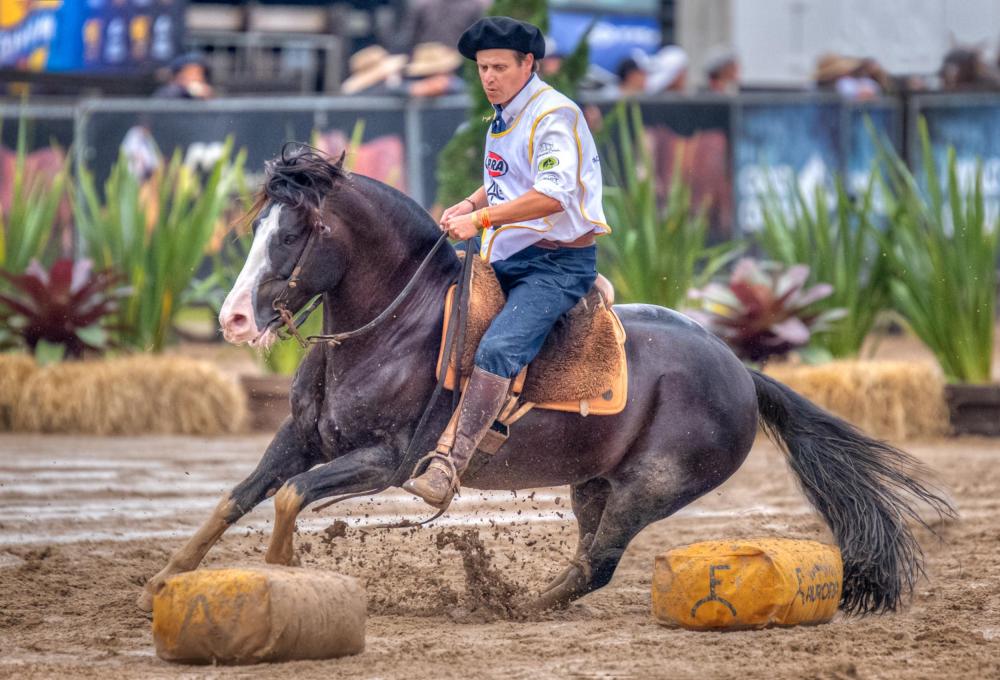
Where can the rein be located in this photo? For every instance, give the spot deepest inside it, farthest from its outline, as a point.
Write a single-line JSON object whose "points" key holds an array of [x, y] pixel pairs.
{"points": [[456, 325]]}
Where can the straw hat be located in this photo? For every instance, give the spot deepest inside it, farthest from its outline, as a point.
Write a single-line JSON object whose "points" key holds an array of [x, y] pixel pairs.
{"points": [[370, 66], [831, 66], [432, 58]]}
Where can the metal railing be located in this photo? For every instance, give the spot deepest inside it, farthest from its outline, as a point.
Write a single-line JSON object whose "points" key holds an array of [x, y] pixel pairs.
{"points": [[737, 143]]}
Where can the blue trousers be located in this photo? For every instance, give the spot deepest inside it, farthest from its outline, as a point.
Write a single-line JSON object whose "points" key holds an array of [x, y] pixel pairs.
{"points": [[541, 285]]}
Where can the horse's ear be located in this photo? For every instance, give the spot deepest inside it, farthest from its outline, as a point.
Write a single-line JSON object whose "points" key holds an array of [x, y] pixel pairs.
{"points": [[340, 161]]}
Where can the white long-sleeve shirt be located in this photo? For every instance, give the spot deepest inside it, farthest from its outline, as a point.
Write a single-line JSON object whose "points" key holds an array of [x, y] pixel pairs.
{"points": [[546, 146]]}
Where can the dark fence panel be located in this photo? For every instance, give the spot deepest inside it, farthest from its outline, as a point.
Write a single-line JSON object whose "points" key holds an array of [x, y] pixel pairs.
{"points": [[692, 136], [435, 124], [45, 125], [783, 142], [969, 123]]}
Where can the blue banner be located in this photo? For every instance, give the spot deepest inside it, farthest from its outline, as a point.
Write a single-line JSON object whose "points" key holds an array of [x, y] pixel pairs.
{"points": [[612, 38], [90, 35]]}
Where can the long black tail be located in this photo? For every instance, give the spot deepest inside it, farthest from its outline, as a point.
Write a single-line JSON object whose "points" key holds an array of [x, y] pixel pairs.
{"points": [[866, 490]]}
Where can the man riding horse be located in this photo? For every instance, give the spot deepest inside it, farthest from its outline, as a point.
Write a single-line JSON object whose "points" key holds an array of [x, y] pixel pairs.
{"points": [[539, 209]]}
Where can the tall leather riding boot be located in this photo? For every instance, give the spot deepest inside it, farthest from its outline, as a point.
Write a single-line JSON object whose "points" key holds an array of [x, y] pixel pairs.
{"points": [[484, 396]]}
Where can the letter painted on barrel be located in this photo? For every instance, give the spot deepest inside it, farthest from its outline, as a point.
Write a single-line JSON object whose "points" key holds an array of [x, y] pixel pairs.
{"points": [[496, 166], [749, 583]]}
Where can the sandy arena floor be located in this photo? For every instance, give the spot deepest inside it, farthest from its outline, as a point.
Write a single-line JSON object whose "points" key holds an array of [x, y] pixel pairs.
{"points": [[84, 521]]}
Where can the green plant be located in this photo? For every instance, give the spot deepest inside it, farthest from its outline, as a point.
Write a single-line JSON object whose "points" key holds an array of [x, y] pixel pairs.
{"points": [[943, 253], [656, 252], [765, 310], [155, 233], [842, 247], [26, 227], [460, 163], [63, 311]]}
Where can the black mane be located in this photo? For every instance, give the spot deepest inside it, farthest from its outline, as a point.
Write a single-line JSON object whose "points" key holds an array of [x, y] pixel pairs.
{"points": [[303, 176]]}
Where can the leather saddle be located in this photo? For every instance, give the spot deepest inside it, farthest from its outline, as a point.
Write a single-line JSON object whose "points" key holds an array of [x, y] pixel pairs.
{"points": [[581, 368]]}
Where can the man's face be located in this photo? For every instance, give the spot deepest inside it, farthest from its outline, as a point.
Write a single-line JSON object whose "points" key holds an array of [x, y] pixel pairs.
{"points": [[501, 74]]}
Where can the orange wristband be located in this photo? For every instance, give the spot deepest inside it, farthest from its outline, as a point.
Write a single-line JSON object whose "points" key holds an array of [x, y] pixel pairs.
{"points": [[483, 218]]}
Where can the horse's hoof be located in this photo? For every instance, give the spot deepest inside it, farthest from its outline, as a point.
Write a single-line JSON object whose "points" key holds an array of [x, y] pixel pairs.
{"points": [[282, 560], [145, 601], [564, 589]]}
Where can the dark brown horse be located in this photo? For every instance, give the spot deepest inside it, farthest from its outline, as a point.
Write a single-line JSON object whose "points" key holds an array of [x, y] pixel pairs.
{"points": [[692, 415]]}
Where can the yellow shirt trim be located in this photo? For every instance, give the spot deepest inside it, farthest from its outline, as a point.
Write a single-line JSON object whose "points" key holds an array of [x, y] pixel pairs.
{"points": [[579, 157], [489, 248], [516, 120]]}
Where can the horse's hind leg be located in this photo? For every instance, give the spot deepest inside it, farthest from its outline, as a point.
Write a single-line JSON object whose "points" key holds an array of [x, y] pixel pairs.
{"points": [[651, 488], [589, 500], [285, 457]]}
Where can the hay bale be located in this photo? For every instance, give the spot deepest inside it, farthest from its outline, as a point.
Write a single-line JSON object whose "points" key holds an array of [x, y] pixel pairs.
{"points": [[264, 614], [15, 369], [131, 395], [895, 400]]}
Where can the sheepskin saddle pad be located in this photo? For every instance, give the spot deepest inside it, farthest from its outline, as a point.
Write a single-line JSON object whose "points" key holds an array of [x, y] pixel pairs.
{"points": [[581, 368]]}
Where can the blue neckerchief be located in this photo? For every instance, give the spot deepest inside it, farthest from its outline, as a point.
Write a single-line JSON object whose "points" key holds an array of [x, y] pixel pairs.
{"points": [[498, 123]]}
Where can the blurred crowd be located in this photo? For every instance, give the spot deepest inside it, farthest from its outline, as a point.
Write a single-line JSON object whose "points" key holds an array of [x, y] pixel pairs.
{"points": [[419, 59]]}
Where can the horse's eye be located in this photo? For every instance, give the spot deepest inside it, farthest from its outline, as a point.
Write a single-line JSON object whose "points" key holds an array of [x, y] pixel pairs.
{"points": [[289, 239]]}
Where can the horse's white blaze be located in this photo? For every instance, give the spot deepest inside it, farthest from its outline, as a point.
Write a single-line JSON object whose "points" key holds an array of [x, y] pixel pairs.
{"points": [[237, 316]]}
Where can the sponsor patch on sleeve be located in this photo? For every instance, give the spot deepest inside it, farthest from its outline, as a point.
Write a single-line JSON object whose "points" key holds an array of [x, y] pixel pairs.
{"points": [[547, 163]]}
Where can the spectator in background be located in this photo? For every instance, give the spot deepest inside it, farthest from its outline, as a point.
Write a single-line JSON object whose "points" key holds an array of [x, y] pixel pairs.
{"points": [[666, 71], [433, 71], [847, 76], [553, 59], [963, 68], [872, 69], [722, 71], [188, 79], [374, 71], [631, 77], [441, 21]]}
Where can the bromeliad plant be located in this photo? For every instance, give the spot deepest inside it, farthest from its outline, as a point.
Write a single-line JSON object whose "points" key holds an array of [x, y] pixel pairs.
{"points": [[765, 310], [841, 246], [63, 311], [156, 234], [943, 251], [656, 252]]}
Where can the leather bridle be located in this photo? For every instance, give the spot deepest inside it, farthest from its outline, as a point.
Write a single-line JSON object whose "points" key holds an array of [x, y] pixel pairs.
{"points": [[292, 325]]}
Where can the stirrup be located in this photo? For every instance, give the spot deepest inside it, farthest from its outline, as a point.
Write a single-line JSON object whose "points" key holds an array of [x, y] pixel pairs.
{"points": [[424, 463], [421, 467]]}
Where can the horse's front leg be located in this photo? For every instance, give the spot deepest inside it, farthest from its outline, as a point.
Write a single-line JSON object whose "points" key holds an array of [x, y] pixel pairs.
{"points": [[286, 456], [359, 470]]}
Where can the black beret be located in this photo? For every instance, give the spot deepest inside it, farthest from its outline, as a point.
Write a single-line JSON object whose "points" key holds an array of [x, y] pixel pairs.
{"points": [[501, 33]]}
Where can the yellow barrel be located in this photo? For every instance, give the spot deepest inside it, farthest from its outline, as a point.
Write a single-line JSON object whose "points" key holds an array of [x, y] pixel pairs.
{"points": [[749, 583], [251, 615]]}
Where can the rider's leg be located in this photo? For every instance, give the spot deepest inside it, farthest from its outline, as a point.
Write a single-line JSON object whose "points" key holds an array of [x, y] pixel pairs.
{"points": [[541, 286]]}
